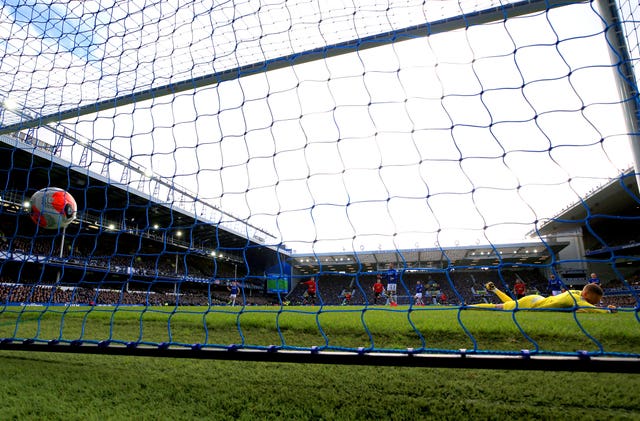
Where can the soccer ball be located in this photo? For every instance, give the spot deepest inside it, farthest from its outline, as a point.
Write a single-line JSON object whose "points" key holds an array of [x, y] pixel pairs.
{"points": [[53, 208]]}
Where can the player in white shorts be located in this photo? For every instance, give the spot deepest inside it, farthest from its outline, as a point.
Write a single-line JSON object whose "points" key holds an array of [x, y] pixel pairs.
{"points": [[392, 285]]}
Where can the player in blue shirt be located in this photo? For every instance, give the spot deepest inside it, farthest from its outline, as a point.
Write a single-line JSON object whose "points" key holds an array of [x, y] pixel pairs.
{"points": [[392, 285], [234, 290], [554, 287], [594, 279], [418, 295]]}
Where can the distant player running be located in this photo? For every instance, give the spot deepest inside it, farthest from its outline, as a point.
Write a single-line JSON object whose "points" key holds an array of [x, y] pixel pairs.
{"points": [[309, 296], [584, 301]]}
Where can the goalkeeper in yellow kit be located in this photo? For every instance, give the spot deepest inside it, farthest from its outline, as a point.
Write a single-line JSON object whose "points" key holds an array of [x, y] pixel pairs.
{"points": [[583, 301]]}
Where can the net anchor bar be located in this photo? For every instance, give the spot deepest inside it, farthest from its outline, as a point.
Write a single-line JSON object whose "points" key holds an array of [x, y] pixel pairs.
{"points": [[582, 361]]}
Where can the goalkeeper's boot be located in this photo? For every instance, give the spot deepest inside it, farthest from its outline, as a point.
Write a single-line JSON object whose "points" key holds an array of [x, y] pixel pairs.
{"points": [[490, 286]]}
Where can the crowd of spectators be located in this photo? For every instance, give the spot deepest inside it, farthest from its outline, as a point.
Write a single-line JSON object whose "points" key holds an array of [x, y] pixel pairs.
{"points": [[107, 290], [41, 294], [156, 264], [621, 300]]}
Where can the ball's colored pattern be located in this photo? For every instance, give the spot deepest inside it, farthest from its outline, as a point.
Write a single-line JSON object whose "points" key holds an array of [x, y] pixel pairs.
{"points": [[53, 208]]}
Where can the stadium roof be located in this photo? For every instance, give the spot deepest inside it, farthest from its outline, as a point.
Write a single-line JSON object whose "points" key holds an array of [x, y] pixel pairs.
{"points": [[467, 257], [27, 168], [617, 197]]}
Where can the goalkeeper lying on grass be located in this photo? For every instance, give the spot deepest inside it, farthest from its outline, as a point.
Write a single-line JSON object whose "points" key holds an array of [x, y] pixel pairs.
{"points": [[584, 301]]}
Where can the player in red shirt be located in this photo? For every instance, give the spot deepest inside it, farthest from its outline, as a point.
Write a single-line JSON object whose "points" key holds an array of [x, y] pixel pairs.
{"points": [[310, 293], [520, 289], [346, 297], [378, 289], [443, 298]]}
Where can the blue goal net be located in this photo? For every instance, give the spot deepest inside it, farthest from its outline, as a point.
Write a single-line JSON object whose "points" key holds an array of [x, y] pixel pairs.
{"points": [[390, 182]]}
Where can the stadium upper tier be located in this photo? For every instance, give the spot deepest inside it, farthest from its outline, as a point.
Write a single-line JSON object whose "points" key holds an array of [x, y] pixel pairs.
{"points": [[105, 205], [618, 197], [433, 259]]}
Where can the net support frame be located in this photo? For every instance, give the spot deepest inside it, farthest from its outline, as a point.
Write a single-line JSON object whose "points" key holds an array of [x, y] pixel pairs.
{"points": [[582, 361]]}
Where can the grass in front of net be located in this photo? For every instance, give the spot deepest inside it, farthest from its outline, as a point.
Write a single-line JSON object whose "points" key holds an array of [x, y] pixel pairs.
{"points": [[76, 386]]}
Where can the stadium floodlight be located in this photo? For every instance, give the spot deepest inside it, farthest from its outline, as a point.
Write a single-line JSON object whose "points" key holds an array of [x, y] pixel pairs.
{"points": [[10, 104]]}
